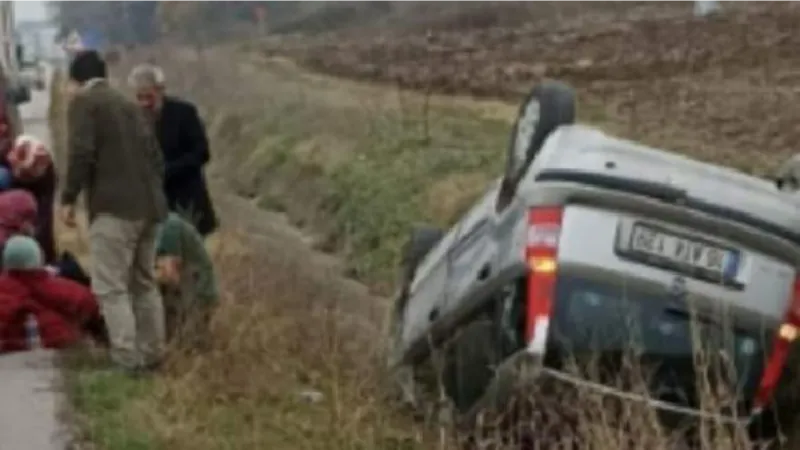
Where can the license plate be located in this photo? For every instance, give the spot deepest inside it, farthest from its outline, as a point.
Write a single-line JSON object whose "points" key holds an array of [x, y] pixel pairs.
{"points": [[655, 246]]}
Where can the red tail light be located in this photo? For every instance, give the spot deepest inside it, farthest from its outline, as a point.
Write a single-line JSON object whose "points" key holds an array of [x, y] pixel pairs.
{"points": [[787, 333], [541, 251]]}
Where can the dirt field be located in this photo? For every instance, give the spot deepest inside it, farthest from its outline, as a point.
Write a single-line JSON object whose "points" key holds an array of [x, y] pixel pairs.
{"points": [[720, 88]]}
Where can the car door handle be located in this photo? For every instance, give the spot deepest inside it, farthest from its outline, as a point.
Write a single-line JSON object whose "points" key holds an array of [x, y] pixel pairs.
{"points": [[484, 273], [433, 315]]}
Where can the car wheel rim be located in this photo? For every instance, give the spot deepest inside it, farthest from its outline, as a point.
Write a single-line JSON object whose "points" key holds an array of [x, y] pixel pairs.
{"points": [[526, 127]]}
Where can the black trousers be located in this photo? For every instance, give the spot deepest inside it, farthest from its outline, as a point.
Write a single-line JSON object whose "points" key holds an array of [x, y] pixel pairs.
{"points": [[70, 268]]}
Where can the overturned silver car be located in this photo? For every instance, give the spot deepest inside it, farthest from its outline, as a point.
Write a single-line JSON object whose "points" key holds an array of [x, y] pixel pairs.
{"points": [[589, 245]]}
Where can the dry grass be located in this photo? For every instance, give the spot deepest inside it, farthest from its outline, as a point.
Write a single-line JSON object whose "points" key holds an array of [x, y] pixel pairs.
{"points": [[279, 332], [283, 335]]}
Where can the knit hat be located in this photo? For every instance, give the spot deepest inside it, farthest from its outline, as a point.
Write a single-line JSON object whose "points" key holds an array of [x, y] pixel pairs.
{"points": [[22, 253], [29, 158]]}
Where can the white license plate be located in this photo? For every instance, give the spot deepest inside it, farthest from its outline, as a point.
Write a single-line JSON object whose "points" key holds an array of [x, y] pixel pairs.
{"points": [[681, 251]]}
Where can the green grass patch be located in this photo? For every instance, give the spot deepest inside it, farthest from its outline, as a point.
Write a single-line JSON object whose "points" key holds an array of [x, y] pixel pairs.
{"points": [[378, 175], [103, 403]]}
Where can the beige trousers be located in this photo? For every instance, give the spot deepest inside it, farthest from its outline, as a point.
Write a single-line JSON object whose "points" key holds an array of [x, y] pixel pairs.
{"points": [[123, 279]]}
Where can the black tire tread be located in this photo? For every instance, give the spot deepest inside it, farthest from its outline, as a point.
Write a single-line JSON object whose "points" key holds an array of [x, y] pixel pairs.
{"points": [[557, 108]]}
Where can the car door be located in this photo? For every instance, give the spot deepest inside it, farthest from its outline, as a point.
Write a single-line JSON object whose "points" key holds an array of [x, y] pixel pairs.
{"points": [[473, 251], [427, 292]]}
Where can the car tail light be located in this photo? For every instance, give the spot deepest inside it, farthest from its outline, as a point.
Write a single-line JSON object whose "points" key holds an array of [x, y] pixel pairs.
{"points": [[787, 333], [541, 251]]}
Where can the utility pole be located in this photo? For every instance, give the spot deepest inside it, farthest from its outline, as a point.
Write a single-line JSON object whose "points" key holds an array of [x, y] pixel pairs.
{"points": [[9, 48]]}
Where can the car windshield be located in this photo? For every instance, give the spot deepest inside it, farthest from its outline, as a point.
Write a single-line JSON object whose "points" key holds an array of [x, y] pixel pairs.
{"points": [[601, 326]]}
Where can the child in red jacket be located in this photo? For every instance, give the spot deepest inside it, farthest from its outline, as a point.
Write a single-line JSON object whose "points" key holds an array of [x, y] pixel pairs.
{"points": [[65, 310]]}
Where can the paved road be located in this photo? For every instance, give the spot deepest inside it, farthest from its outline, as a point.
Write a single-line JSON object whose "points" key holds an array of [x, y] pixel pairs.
{"points": [[30, 403]]}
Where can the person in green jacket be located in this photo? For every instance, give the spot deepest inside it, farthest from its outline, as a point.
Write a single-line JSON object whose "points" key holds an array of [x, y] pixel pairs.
{"points": [[189, 286]]}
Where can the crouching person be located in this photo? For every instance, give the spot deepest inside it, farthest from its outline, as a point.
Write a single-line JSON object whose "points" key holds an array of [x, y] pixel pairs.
{"points": [[189, 287], [65, 311]]}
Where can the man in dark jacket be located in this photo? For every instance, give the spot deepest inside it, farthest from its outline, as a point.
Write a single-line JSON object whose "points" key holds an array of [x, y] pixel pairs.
{"points": [[184, 144], [113, 157]]}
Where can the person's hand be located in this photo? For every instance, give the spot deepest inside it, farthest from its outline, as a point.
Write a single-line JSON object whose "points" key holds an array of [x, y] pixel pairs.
{"points": [[168, 271], [68, 215]]}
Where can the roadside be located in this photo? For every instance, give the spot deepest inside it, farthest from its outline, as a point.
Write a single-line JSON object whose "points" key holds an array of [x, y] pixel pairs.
{"points": [[297, 361], [30, 390], [301, 164]]}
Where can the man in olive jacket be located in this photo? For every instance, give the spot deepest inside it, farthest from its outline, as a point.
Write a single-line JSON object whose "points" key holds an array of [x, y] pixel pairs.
{"points": [[113, 156]]}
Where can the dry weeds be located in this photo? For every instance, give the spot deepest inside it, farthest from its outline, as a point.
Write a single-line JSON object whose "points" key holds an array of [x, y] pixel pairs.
{"points": [[292, 366]]}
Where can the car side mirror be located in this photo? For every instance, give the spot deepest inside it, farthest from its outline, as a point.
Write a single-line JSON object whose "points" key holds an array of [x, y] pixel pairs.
{"points": [[19, 94]]}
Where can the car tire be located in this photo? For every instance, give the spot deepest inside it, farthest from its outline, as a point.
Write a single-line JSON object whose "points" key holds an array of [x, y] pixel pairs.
{"points": [[470, 364], [549, 105]]}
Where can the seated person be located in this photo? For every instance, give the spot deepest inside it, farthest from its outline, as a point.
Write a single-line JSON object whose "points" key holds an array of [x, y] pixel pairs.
{"points": [[186, 275], [32, 169], [68, 267], [65, 310], [18, 214]]}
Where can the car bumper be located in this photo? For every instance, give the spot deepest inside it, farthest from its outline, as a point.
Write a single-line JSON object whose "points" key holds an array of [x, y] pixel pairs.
{"points": [[523, 371]]}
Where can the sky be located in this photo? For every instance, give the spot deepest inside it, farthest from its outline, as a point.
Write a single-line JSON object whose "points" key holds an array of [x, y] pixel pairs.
{"points": [[34, 10]]}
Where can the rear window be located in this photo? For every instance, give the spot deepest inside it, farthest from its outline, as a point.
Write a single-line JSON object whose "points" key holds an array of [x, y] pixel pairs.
{"points": [[602, 326]]}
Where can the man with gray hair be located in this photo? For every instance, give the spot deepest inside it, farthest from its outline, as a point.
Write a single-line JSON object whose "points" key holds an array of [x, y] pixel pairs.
{"points": [[184, 144]]}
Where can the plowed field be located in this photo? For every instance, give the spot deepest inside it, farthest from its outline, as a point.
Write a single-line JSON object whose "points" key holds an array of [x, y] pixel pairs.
{"points": [[721, 88]]}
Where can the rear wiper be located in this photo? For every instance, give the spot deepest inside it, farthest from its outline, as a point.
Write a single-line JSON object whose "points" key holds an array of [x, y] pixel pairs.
{"points": [[684, 313], [705, 318]]}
